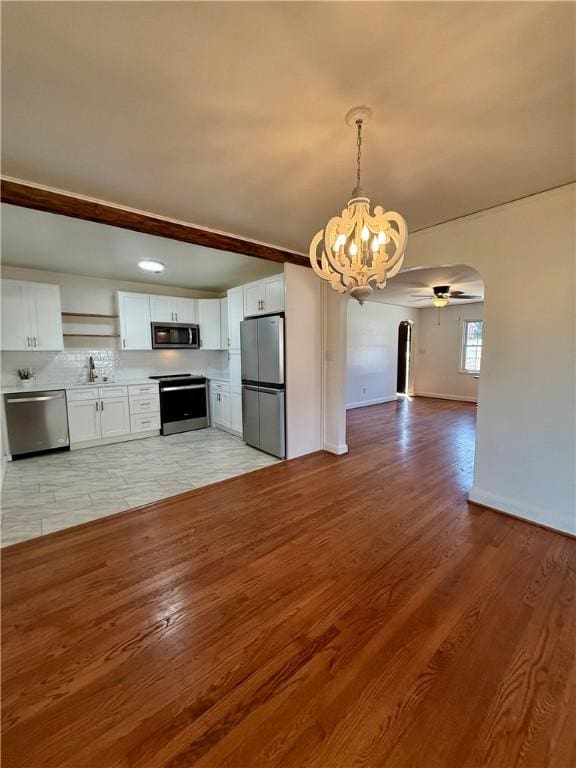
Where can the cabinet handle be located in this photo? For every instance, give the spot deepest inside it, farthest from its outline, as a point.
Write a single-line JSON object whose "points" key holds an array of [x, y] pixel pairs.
{"points": [[96, 404], [34, 341], [28, 340], [124, 343], [101, 405], [176, 313]]}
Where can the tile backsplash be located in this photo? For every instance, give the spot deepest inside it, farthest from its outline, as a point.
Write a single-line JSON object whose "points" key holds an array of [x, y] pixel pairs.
{"points": [[71, 365]]}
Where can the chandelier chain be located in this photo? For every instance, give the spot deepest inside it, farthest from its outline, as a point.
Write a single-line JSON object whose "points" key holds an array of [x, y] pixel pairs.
{"points": [[359, 153]]}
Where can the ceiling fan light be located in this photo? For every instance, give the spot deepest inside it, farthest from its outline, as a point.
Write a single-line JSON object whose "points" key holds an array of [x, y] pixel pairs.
{"points": [[439, 302]]}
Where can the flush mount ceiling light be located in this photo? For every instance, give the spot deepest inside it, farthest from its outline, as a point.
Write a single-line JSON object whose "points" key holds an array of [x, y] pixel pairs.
{"points": [[358, 251], [149, 265], [440, 302]]}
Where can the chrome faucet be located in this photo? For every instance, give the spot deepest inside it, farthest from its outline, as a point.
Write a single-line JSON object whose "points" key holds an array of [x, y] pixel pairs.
{"points": [[92, 375]]}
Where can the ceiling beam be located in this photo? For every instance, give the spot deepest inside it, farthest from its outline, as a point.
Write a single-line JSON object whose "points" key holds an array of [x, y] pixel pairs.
{"points": [[49, 201]]}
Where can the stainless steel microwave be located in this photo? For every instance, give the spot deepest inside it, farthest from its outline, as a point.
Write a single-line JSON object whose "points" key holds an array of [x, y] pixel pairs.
{"points": [[175, 336]]}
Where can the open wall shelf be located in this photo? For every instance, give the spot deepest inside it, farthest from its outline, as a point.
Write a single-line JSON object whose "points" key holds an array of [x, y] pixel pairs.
{"points": [[89, 314], [95, 335]]}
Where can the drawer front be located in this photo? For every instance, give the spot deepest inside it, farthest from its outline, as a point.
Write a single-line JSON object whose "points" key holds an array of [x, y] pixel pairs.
{"points": [[86, 393], [105, 392], [143, 422], [145, 404], [136, 390], [222, 386]]}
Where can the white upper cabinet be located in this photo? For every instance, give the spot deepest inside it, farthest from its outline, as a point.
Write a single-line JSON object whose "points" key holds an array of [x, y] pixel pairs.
{"points": [[209, 322], [31, 316], [274, 294], [224, 336], [235, 316], [186, 310], [254, 298], [46, 316], [172, 309], [162, 309], [15, 316], [135, 318], [264, 296]]}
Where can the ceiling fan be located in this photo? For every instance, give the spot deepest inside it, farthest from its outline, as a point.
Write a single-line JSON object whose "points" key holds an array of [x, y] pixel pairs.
{"points": [[441, 295]]}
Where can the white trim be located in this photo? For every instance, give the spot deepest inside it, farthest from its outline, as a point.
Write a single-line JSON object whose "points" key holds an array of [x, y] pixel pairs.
{"points": [[378, 400], [463, 322], [464, 398], [339, 450], [118, 439], [546, 517], [521, 201]]}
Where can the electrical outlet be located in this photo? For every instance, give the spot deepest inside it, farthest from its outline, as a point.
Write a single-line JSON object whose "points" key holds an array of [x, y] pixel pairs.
{"points": [[364, 390]]}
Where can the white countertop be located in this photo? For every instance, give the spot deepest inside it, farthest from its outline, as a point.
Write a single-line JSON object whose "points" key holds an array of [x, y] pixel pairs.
{"points": [[10, 390], [79, 385]]}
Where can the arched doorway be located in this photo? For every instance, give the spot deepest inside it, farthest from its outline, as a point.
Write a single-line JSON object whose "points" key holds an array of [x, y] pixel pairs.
{"points": [[404, 355]]}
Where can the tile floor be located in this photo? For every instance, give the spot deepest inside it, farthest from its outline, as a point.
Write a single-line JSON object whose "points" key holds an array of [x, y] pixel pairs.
{"points": [[59, 490]]}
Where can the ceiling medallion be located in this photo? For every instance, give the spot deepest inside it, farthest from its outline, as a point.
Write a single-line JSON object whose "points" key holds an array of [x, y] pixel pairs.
{"points": [[358, 251]]}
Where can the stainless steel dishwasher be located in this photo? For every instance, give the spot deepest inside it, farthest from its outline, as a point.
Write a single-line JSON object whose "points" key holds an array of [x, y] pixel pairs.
{"points": [[36, 421]]}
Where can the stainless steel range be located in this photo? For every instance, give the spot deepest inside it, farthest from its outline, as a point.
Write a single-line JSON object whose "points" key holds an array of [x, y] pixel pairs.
{"points": [[183, 402]]}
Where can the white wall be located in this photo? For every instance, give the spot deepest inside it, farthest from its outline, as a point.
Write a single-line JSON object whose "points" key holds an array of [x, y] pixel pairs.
{"points": [[439, 352], [90, 294], [372, 351], [525, 446], [303, 330]]}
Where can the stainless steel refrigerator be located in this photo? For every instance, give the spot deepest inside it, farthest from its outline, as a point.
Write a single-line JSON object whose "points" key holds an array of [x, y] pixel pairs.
{"points": [[262, 347]]}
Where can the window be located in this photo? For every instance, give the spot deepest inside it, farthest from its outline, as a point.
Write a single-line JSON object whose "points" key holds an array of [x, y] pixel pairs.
{"points": [[471, 346]]}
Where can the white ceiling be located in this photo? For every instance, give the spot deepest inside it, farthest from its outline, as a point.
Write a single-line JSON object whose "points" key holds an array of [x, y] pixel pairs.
{"points": [[230, 114], [61, 244], [403, 288]]}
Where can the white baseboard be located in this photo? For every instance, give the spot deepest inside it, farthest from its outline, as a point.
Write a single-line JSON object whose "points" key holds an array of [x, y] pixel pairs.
{"points": [[111, 440], [378, 401], [339, 450], [447, 397], [548, 518]]}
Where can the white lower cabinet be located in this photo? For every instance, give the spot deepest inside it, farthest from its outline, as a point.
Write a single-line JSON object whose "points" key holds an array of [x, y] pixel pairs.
{"points": [[236, 412], [83, 421], [234, 363], [236, 392], [106, 414], [144, 407], [144, 422], [114, 417], [225, 407]]}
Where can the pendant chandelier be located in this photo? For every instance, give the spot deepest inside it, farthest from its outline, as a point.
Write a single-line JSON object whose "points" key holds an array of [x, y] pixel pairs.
{"points": [[358, 251]]}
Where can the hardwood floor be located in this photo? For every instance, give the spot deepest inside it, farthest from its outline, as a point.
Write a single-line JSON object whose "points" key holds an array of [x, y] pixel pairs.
{"points": [[327, 612]]}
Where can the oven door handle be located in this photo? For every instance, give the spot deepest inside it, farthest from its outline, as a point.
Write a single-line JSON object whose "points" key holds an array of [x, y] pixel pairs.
{"points": [[188, 386]]}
